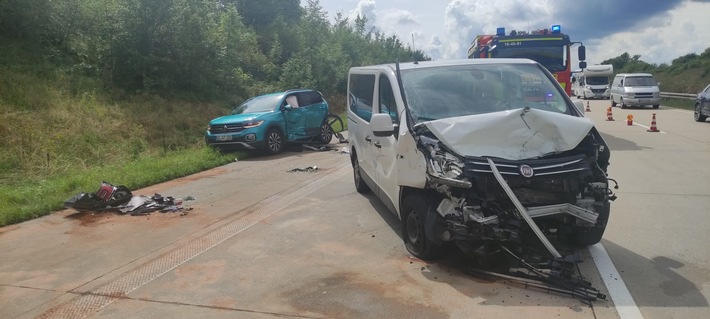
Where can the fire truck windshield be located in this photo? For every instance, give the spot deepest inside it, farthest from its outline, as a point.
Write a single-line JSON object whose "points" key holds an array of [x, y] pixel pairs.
{"points": [[552, 58]]}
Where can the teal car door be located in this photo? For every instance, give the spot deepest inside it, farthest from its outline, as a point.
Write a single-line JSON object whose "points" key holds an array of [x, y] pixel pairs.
{"points": [[295, 118], [316, 111]]}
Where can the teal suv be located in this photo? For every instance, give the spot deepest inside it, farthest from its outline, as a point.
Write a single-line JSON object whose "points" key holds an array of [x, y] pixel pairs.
{"points": [[267, 122]]}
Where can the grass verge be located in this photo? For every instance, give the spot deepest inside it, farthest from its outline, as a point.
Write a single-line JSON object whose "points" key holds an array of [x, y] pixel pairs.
{"points": [[34, 198]]}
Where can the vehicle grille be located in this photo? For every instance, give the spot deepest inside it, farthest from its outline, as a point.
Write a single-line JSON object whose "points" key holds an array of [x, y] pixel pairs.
{"points": [[542, 168], [226, 128], [598, 90], [643, 95]]}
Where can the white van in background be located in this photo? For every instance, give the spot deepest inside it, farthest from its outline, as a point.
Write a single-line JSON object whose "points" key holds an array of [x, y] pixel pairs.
{"points": [[593, 82], [635, 89]]}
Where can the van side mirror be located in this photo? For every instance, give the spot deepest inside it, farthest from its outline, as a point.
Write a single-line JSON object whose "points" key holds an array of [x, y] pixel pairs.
{"points": [[582, 54], [381, 125], [582, 65]]}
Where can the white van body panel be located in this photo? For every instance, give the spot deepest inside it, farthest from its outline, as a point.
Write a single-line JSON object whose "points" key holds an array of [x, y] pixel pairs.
{"points": [[513, 135]]}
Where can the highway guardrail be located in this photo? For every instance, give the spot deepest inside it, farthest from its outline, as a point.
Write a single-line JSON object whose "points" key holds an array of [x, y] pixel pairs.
{"points": [[687, 96]]}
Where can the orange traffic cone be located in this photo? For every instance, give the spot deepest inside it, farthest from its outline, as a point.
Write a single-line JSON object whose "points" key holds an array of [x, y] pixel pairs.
{"points": [[629, 120], [653, 125], [609, 117], [588, 109]]}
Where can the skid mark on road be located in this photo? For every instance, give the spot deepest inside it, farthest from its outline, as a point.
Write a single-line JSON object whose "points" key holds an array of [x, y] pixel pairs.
{"points": [[93, 301]]}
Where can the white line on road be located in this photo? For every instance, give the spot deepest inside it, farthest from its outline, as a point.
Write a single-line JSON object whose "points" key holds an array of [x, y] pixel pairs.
{"points": [[648, 128], [620, 295]]}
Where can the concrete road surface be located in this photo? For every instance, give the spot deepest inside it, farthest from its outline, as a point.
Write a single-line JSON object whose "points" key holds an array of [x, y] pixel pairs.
{"points": [[261, 242], [658, 232]]}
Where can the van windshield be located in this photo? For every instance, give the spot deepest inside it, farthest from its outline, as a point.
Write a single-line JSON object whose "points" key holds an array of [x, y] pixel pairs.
{"points": [[598, 80], [450, 91], [639, 81]]}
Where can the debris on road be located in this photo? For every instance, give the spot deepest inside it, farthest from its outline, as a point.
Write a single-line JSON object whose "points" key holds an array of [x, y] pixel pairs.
{"points": [[106, 197], [119, 198], [308, 169]]}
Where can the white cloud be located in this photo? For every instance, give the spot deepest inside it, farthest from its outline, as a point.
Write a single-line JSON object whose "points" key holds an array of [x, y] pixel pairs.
{"points": [[661, 42], [658, 30]]}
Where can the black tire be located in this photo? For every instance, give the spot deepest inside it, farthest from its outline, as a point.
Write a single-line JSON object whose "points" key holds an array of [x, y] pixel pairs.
{"points": [[325, 133], [360, 184], [621, 101], [656, 106], [594, 234], [274, 141], [414, 209], [613, 103], [697, 114]]}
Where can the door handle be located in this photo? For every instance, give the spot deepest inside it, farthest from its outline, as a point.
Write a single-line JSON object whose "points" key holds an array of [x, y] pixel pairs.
{"points": [[368, 139], [378, 145]]}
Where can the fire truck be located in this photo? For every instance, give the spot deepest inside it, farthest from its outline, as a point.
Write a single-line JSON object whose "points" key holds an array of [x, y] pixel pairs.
{"points": [[549, 47]]}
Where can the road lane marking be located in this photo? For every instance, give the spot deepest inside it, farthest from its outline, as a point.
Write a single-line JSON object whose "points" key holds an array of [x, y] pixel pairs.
{"points": [[648, 128], [90, 303], [620, 295]]}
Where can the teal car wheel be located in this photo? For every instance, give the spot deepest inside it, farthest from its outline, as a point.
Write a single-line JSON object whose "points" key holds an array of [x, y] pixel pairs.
{"points": [[274, 141]]}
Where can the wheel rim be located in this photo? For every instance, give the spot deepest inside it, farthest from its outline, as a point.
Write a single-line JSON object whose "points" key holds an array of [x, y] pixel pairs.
{"points": [[326, 133], [696, 114], [274, 141], [356, 173], [414, 237]]}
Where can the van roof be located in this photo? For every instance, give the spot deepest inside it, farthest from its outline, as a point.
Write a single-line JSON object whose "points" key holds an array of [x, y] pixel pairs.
{"points": [[634, 74], [428, 64]]}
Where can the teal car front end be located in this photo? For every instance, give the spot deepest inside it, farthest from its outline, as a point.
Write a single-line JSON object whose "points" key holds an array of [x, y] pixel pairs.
{"points": [[268, 122], [242, 131]]}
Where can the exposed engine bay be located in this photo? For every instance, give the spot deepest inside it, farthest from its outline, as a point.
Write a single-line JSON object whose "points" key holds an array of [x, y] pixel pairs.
{"points": [[506, 213]]}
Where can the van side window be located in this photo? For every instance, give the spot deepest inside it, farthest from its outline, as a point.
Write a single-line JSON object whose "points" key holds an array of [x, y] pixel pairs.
{"points": [[362, 89], [388, 104]]}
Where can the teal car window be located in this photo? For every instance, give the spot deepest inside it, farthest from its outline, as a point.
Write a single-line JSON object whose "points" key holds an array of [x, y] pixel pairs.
{"points": [[258, 104]]}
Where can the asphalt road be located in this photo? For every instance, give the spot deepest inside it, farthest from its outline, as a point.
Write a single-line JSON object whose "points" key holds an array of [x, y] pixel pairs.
{"points": [[261, 242]]}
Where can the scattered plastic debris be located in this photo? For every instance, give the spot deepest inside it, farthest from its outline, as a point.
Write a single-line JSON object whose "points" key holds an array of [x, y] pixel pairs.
{"points": [[106, 197], [319, 148], [344, 150], [119, 198], [305, 169]]}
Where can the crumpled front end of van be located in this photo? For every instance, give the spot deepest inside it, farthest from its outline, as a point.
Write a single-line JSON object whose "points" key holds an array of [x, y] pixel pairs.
{"points": [[511, 183]]}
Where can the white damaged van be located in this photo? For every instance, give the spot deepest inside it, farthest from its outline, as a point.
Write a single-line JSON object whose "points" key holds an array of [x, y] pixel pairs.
{"points": [[489, 155]]}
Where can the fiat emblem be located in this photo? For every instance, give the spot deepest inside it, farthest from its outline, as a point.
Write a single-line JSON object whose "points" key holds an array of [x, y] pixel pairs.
{"points": [[526, 170]]}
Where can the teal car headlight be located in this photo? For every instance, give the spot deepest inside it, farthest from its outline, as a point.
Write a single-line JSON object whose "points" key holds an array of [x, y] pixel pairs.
{"points": [[252, 124]]}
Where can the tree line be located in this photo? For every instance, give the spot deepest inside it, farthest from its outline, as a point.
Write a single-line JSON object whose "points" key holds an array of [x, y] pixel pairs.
{"points": [[207, 49]]}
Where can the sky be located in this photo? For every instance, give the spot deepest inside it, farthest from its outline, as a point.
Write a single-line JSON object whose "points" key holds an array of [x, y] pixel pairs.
{"points": [[657, 30]]}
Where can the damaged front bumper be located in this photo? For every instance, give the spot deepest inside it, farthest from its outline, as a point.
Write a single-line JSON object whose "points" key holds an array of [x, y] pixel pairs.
{"points": [[505, 212]]}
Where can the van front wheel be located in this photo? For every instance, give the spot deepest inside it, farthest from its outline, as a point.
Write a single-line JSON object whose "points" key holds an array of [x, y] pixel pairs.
{"points": [[656, 106], [414, 210]]}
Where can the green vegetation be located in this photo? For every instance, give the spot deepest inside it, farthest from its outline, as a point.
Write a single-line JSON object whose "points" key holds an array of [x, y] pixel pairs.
{"points": [[121, 90], [687, 74]]}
